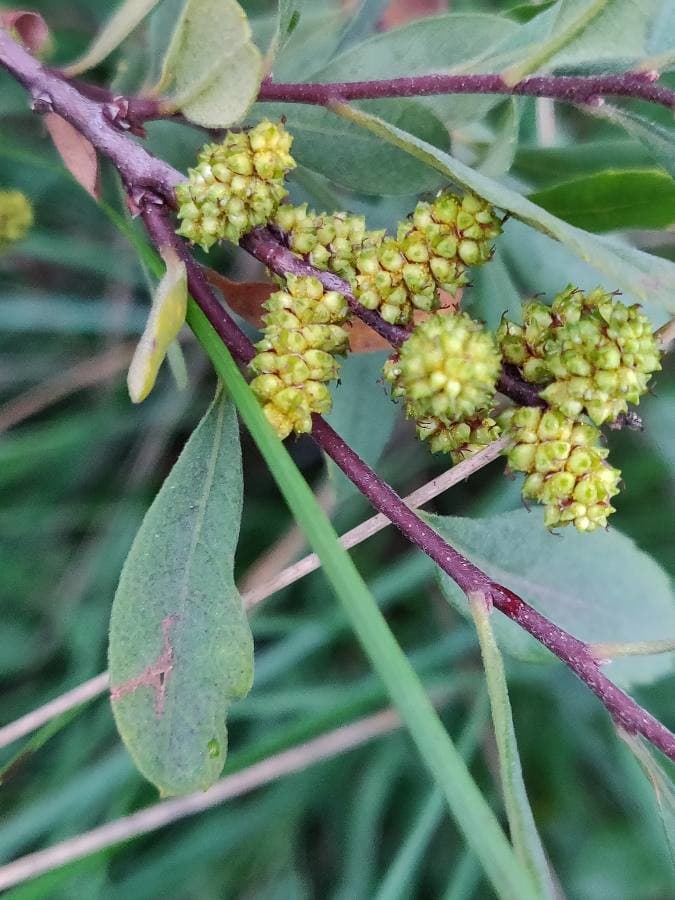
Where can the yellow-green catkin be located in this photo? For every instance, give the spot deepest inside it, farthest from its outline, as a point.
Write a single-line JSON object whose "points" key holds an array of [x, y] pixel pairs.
{"points": [[329, 241], [447, 369], [565, 465], [236, 185], [296, 358], [396, 275], [594, 354], [16, 216]]}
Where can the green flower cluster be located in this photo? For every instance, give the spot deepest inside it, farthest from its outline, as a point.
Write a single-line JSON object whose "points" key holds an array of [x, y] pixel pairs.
{"points": [[236, 185], [16, 216], [565, 465], [395, 275], [594, 354], [446, 373], [296, 358]]}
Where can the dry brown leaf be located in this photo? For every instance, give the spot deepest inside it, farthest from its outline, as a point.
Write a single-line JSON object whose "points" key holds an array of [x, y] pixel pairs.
{"points": [[245, 298], [31, 28], [77, 153]]}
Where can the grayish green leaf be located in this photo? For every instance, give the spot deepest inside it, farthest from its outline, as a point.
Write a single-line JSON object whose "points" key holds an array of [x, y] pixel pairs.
{"points": [[212, 65], [657, 140], [363, 413], [180, 644], [354, 159], [600, 587]]}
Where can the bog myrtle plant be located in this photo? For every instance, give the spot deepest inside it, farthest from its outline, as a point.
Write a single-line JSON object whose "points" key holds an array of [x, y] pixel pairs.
{"points": [[545, 382]]}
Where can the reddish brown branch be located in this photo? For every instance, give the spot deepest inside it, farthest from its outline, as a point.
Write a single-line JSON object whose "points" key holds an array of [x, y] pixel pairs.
{"points": [[149, 182], [567, 88]]}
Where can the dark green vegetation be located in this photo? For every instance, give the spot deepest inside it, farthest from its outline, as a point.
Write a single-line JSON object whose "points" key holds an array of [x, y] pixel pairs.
{"points": [[77, 478]]}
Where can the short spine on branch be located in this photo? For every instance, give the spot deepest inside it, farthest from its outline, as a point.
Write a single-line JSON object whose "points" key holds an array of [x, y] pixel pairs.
{"points": [[236, 185], [565, 465], [16, 216], [594, 354], [303, 332]]}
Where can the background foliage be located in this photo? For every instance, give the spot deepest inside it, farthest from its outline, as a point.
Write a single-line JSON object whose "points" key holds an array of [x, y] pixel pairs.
{"points": [[77, 478]]}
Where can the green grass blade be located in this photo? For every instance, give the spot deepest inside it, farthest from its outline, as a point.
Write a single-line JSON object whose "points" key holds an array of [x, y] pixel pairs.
{"points": [[466, 803]]}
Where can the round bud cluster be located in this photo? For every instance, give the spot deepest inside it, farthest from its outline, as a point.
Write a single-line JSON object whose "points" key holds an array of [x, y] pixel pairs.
{"points": [[593, 353], [565, 464], [447, 369], [455, 232], [328, 241], [459, 439], [296, 357], [236, 185], [16, 216]]}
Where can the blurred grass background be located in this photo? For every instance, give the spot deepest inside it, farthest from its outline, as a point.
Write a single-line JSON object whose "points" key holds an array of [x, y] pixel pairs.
{"points": [[75, 480]]}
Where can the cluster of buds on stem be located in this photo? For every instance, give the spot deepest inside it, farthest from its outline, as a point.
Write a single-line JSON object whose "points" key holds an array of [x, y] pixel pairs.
{"points": [[296, 357]]}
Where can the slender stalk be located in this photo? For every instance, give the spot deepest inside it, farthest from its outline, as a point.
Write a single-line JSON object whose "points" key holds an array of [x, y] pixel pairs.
{"points": [[577, 89], [150, 183]]}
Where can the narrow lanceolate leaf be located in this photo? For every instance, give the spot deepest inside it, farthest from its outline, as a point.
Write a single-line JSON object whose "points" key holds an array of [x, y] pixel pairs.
{"points": [[180, 646], [609, 201], [524, 835], [645, 277], [212, 66], [661, 782], [166, 319], [117, 28]]}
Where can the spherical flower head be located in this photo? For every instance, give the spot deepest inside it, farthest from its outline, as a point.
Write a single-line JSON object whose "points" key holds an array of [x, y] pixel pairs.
{"points": [[16, 216], [236, 186], [447, 369], [303, 331], [594, 354], [460, 439], [379, 282], [565, 465]]}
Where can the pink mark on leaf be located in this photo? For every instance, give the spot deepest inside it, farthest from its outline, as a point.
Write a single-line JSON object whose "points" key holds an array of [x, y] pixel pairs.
{"points": [[155, 675]]}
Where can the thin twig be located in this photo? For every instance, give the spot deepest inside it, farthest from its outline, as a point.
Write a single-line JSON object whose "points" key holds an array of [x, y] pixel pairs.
{"points": [[327, 746], [43, 714], [254, 596], [577, 89]]}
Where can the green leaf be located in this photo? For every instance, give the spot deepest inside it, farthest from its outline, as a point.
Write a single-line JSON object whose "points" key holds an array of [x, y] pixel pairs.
{"points": [[644, 276], [349, 157], [119, 26], [363, 413], [547, 166], [611, 200], [212, 65], [601, 587], [577, 33], [502, 151], [522, 827], [662, 783], [180, 644], [657, 140], [289, 15], [465, 801]]}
